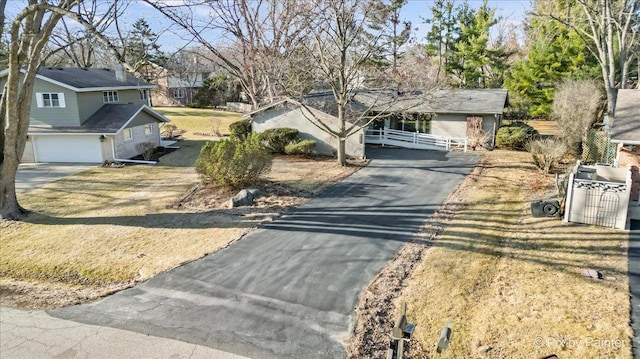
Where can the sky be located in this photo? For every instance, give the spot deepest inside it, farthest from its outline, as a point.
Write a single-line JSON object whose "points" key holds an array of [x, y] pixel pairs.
{"points": [[414, 11]]}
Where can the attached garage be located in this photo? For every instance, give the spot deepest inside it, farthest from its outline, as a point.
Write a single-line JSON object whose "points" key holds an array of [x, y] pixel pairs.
{"points": [[67, 148]]}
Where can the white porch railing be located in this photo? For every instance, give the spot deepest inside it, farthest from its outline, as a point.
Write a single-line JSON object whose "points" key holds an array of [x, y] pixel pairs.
{"points": [[413, 140]]}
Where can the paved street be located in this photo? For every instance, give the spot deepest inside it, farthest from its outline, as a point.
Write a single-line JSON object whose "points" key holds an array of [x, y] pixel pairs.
{"points": [[289, 289]]}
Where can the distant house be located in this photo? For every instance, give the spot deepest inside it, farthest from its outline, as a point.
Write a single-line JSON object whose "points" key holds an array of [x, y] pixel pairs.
{"points": [[625, 132], [88, 115], [177, 88], [441, 113]]}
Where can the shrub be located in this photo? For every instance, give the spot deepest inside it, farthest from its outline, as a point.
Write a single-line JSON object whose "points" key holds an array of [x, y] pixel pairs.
{"points": [[146, 149], [169, 129], [277, 139], [240, 129], [546, 153], [233, 162], [515, 135], [575, 107], [304, 147]]}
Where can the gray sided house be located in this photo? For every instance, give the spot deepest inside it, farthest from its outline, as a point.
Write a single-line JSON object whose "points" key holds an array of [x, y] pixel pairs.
{"points": [[88, 115], [291, 114], [440, 114], [446, 112]]}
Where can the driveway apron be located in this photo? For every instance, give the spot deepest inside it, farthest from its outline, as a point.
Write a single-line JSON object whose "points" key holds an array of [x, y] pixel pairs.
{"points": [[289, 289]]}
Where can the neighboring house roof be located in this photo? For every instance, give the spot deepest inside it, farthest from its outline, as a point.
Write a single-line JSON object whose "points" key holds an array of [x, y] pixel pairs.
{"points": [[109, 120], [88, 79], [626, 120], [461, 101]]}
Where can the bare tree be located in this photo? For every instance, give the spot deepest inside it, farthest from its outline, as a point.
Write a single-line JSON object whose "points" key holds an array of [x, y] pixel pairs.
{"points": [[72, 43], [261, 35], [609, 29], [340, 46], [29, 32], [575, 106]]}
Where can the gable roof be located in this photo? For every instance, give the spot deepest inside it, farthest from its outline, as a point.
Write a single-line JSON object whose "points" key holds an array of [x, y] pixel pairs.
{"points": [[626, 119], [88, 79], [110, 119], [457, 101]]}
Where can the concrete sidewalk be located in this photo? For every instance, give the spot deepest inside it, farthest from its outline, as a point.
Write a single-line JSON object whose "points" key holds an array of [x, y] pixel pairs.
{"points": [[35, 334]]}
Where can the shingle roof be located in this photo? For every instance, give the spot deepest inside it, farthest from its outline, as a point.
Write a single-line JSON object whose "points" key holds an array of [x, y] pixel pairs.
{"points": [[109, 119], [464, 101], [626, 120], [86, 78]]}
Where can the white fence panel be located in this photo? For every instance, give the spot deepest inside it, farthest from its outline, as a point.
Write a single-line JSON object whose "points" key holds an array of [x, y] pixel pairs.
{"points": [[413, 140]]}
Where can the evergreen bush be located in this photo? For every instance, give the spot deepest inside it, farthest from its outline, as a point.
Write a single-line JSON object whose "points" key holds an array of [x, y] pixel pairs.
{"points": [[304, 147], [277, 139], [515, 135], [240, 129], [234, 162]]}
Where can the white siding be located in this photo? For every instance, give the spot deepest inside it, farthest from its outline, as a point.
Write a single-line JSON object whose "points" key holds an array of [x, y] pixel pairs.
{"points": [[127, 149], [67, 148]]}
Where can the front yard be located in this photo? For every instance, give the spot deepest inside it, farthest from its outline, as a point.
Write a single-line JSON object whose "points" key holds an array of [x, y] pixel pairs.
{"points": [[107, 228], [510, 283]]}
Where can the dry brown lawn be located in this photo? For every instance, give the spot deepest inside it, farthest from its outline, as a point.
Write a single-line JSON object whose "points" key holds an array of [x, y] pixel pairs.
{"points": [[511, 283], [200, 123], [108, 228], [545, 128]]}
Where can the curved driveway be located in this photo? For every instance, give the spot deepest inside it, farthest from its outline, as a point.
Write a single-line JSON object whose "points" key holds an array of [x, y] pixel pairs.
{"points": [[288, 290]]}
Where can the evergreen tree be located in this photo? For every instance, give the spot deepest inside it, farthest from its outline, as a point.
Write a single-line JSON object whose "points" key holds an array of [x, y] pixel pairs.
{"points": [[443, 34], [459, 39], [555, 52], [142, 49], [475, 60]]}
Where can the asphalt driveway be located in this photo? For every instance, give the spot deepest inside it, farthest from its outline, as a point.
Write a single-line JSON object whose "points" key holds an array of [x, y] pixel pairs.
{"points": [[289, 290], [31, 175]]}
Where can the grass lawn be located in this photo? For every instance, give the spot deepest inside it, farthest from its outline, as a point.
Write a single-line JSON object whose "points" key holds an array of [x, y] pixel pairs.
{"points": [[196, 121], [511, 283], [111, 225], [545, 128], [106, 228]]}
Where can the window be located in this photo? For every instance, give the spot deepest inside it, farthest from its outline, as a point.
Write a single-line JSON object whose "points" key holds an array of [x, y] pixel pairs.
{"points": [[178, 93], [109, 96], [50, 100], [128, 134], [144, 95], [148, 129]]}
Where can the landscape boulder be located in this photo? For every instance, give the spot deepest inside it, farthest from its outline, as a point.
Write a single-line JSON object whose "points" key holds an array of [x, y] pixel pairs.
{"points": [[244, 197]]}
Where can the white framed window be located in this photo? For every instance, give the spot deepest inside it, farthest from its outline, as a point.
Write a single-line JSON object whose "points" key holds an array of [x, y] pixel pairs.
{"points": [[128, 134], [178, 93], [148, 129], [50, 99], [144, 95], [109, 96]]}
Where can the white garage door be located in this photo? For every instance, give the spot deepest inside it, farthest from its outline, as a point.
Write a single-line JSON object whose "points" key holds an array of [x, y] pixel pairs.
{"points": [[67, 149]]}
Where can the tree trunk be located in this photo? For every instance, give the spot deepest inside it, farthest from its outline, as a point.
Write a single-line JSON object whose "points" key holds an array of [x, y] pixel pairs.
{"points": [[342, 156], [9, 207]]}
